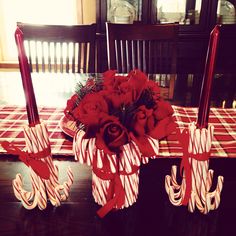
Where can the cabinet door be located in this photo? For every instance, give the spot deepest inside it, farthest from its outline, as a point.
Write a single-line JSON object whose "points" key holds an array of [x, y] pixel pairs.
{"points": [[226, 12], [192, 15], [122, 11], [125, 12]]}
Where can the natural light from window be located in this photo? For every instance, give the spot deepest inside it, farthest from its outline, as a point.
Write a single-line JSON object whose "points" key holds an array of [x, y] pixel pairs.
{"points": [[32, 11]]}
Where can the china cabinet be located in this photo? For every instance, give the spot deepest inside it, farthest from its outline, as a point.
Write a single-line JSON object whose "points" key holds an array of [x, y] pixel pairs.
{"points": [[196, 18]]}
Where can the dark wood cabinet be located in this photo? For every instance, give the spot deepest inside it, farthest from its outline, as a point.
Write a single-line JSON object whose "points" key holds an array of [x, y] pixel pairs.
{"points": [[195, 27], [197, 19]]}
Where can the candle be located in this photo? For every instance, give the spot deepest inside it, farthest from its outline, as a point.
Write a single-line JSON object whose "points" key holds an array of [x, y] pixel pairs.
{"points": [[204, 104], [31, 106]]}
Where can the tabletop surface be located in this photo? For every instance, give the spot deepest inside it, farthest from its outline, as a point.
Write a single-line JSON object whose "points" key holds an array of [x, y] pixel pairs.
{"points": [[152, 214], [14, 118], [52, 91]]}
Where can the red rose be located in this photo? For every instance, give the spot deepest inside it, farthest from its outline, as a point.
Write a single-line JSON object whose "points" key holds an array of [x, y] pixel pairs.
{"points": [[139, 124], [109, 79], [112, 97], [155, 90], [161, 124], [162, 110], [127, 93], [112, 135], [90, 109], [138, 81], [123, 90], [109, 74], [119, 97], [163, 128], [119, 79], [115, 99], [139, 131]]}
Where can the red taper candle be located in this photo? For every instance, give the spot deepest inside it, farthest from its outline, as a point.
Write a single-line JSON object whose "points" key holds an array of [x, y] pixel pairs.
{"points": [[204, 104], [31, 106]]}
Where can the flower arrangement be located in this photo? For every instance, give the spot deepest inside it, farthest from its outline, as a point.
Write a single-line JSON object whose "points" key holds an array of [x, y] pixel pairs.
{"points": [[116, 109], [120, 120]]}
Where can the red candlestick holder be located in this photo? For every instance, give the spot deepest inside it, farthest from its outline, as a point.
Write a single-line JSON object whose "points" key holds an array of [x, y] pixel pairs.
{"points": [[204, 105], [31, 106]]}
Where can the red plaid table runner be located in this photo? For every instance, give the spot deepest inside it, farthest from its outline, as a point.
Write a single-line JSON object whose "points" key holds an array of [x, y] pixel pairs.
{"points": [[13, 118], [224, 122]]}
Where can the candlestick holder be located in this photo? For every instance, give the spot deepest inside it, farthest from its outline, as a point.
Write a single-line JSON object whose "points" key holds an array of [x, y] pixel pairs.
{"points": [[43, 173], [194, 189]]}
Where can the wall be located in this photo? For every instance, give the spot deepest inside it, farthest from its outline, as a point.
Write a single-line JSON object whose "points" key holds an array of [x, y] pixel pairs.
{"points": [[89, 11]]}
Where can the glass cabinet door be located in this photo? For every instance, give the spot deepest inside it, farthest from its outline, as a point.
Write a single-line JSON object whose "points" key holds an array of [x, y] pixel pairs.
{"points": [[194, 15], [120, 11], [226, 12], [181, 11]]}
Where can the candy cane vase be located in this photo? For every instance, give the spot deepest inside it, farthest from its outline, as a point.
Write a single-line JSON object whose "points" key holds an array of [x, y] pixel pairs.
{"points": [[115, 178]]}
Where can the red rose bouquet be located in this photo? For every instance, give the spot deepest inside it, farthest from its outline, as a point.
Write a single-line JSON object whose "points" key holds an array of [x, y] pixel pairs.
{"points": [[120, 120]]}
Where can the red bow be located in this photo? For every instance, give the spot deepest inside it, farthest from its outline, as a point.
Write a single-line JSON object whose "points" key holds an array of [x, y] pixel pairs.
{"points": [[185, 165], [31, 159], [116, 192]]}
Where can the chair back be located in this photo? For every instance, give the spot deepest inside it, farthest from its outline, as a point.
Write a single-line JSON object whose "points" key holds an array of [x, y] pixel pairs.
{"points": [[60, 48], [150, 48]]}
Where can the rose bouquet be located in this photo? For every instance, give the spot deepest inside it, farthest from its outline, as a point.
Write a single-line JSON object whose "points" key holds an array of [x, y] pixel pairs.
{"points": [[120, 120]]}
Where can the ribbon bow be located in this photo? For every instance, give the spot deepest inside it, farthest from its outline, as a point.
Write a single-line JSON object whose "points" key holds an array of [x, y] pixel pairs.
{"points": [[185, 165], [116, 192], [31, 159]]}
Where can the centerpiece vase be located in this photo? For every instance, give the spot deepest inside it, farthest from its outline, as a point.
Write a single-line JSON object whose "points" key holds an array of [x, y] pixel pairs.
{"points": [[115, 177]]}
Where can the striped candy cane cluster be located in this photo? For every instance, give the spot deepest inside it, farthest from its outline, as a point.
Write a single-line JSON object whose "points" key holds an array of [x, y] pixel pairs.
{"points": [[201, 177], [85, 152], [36, 140]]}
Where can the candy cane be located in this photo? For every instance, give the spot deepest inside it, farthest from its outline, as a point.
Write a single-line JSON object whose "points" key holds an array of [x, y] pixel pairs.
{"points": [[37, 139], [201, 177]]}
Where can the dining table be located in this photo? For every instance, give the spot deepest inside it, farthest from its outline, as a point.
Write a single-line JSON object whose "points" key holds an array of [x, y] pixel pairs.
{"points": [[152, 214]]}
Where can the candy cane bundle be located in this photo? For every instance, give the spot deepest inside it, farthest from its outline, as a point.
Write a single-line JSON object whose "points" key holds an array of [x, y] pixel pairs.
{"points": [[194, 190], [37, 141], [115, 178]]}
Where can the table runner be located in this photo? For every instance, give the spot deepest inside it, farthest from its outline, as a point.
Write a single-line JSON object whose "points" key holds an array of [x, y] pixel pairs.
{"points": [[13, 118]]}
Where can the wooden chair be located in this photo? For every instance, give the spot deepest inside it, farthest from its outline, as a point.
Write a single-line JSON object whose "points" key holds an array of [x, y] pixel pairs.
{"points": [[150, 48], [60, 48]]}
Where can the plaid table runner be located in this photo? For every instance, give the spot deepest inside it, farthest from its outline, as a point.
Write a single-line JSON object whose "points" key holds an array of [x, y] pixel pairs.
{"points": [[13, 118], [224, 122]]}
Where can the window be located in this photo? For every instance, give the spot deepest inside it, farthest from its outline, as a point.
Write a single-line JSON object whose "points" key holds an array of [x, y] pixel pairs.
{"points": [[32, 11]]}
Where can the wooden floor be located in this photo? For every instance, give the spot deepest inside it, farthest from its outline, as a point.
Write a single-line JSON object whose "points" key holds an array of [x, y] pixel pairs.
{"points": [[151, 215]]}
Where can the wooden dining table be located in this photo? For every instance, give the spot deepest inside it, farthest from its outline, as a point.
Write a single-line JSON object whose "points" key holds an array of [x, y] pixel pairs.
{"points": [[152, 214]]}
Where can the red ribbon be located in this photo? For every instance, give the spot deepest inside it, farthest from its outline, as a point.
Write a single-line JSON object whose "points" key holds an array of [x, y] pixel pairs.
{"points": [[116, 192], [185, 165], [31, 159]]}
